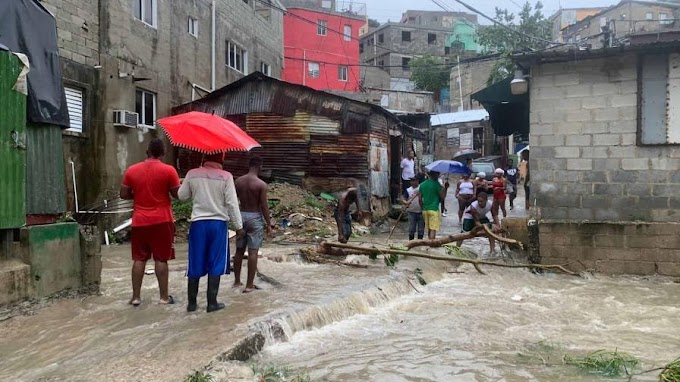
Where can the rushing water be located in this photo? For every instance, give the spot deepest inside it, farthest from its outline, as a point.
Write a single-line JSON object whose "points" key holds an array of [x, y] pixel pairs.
{"points": [[506, 326]]}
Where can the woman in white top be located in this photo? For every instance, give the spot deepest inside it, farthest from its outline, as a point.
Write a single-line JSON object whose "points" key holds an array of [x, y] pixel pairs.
{"points": [[465, 192]]}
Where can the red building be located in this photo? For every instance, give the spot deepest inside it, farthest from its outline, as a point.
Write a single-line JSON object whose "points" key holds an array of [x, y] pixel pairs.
{"points": [[321, 48]]}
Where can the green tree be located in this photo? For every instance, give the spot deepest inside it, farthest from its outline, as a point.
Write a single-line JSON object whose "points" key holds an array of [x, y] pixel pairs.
{"points": [[530, 22], [373, 23], [430, 73]]}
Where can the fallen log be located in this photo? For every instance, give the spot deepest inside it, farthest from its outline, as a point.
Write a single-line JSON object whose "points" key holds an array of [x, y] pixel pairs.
{"points": [[339, 249], [479, 231]]}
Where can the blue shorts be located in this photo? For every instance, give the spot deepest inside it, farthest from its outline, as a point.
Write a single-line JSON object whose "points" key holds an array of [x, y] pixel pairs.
{"points": [[208, 249]]}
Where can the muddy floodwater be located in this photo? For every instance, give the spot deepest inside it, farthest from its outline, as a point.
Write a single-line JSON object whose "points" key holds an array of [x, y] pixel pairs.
{"points": [[506, 326]]}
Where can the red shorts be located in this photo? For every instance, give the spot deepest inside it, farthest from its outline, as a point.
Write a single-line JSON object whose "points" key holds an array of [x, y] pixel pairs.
{"points": [[157, 241]]}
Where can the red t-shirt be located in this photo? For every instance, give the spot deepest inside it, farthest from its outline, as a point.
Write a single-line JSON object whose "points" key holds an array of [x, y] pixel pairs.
{"points": [[151, 182]]}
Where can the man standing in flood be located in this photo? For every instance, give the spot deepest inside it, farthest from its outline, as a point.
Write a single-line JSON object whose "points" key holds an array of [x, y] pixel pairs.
{"points": [[252, 193], [214, 205], [408, 172], [342, 215], [431, 194], [150, 184]]}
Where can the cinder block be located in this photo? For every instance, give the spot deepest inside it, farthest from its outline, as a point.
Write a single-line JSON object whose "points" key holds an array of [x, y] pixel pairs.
{"points": [[610, 189], [581, 90], [664, 215], [579, 116], [635, 164], [664, 190], [607, 164], [628, 139], [622, 176], [665, 164], [541, 129], [596, 102], [654, 176], [599, 152], [569, 128], [596, 128], [566, 79], [554, 213], [580, 214], [654, 202], [668, 269], [579, 164], [623, 127], [628, 113], [546, 117], [606, 139], [552, 140], [623, 100], [579, 140], [570, 104], [596, 201], [607, 214], [619, 267], [606, 115], [600, 89], [567, 152]]}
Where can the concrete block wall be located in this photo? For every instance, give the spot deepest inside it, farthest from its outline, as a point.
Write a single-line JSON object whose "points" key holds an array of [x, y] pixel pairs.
{"points": [[77, 29], [585, 163], [613, 248], [168, 61]]}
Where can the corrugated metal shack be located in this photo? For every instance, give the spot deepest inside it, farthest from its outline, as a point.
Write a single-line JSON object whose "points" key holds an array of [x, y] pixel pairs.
{"points": [[311, 138]]}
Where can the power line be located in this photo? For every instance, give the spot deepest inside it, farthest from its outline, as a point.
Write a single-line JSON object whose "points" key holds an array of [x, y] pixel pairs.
{"points": [[445, 7]]}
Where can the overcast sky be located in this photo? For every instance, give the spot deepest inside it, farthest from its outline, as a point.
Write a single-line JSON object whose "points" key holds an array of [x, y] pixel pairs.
{"points": [[392, 9]]}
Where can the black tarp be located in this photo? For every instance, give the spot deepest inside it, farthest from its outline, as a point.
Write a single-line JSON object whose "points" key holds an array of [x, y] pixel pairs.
{"points": [[27, 27], [508, 113]]}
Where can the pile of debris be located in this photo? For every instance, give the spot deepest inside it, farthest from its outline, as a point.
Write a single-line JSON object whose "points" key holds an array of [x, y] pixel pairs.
{"points": [[299, 215]]}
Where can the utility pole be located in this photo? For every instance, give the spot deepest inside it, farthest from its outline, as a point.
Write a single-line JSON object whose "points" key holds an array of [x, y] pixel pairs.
{"points": [[460, 85]]}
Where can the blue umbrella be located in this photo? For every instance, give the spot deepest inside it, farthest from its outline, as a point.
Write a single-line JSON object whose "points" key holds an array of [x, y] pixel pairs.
{"points": [[448, 167]]}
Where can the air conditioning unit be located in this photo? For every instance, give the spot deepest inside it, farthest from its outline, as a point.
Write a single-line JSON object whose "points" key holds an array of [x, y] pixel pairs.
{"points": [[125, 118]]}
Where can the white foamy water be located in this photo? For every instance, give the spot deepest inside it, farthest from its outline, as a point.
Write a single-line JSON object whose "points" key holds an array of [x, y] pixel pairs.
{"points": [[470, 327]]}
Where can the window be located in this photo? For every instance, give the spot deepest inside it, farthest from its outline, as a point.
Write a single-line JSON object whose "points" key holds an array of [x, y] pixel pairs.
{"points": [[659, 89], [405, 36], [431, 38], [649, 16], [405, 61], [237, 58], [663, 19], [265, 68], [381, 38], [74, 103], [361, 47], [447, 50], [381, 63], [145, 106], [145, 10], [313, 69], [193, 26], [348, 33], [342, 73], [322, 27]]}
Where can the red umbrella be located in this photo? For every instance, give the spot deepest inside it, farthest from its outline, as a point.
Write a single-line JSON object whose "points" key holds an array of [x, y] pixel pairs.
{"points": [[206, 133]]}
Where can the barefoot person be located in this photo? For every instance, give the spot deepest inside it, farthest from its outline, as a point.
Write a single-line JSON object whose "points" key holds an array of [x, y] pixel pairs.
{"points": [[252, 193], [214, 205], [150, 184], [342, 215], [477, 214]]}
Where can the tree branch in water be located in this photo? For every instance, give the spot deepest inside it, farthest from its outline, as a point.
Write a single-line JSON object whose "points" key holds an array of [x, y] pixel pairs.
{"points": [[338, 249]]}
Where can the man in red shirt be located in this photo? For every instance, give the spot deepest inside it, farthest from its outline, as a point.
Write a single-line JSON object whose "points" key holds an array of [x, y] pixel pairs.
{"points": [[150, 184]]}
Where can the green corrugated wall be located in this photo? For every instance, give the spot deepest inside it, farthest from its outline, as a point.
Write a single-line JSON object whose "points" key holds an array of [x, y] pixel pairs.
{"points": [[12, 155], [45, 183]]}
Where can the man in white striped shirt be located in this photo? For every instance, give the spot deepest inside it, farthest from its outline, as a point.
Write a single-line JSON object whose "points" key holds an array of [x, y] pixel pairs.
{"points": [[215, 204]]}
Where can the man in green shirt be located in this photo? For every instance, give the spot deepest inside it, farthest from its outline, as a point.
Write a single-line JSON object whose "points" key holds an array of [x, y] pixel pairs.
{"points": [[431, 194]]}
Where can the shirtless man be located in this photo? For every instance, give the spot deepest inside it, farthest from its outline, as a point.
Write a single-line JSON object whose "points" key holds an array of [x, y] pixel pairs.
{"points": [[252, 193], [343, 218]]}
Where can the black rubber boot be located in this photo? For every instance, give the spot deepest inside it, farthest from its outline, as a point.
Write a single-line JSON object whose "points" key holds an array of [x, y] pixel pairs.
{"points": [[192, 292], [213, 289]]}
